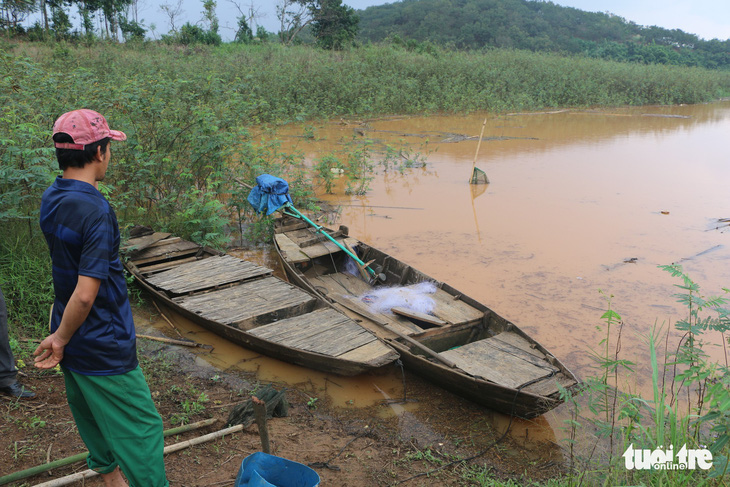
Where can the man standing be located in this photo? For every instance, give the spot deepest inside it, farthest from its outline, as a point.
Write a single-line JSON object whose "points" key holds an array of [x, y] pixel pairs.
{"points": [[9, 386], [93, 335]]}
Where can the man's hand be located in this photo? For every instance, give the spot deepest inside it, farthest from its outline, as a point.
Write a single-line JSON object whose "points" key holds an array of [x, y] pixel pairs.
{"points": [[50, 352]]}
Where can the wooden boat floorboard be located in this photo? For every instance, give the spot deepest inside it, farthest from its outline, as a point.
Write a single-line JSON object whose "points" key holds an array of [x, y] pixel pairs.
{"points": [[249, 300], [317, 250], [141, 243], [159, 252], [324, 331], [206, 274], [490, 360], [549, 386], [292, 251]]}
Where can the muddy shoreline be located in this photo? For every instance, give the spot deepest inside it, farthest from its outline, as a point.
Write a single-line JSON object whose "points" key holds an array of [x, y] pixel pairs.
{"points": [[385, 444]]}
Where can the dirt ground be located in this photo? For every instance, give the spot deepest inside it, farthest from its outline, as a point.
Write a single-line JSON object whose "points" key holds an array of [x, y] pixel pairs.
{"points": [[347, 447]]}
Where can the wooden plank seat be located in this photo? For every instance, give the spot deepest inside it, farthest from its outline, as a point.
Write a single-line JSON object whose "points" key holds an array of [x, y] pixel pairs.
{"points": [[289, 244], [324, 331], [500, 362], [246, 304], [291, 251], [162, 250], [206, 273], [140, 243]]}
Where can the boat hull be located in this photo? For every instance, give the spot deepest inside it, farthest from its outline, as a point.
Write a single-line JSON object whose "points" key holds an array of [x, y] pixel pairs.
{"points": [[429, 352], [243, 329]]}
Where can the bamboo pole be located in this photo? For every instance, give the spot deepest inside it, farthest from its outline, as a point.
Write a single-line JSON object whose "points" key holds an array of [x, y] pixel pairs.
{"points": [[62, 462], [479, 144], [171, 341], [167, 319], [69, 479]]}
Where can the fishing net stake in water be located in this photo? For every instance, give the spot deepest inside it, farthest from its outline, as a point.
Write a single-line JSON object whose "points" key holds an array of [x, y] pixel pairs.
{"points": [[477, 175]]}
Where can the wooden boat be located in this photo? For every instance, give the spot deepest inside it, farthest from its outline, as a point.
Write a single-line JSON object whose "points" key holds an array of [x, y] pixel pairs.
{"points": [[246, 304], [461, 345]]}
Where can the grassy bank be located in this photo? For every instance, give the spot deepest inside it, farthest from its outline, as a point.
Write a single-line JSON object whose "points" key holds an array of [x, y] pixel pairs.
{"points": [[286, 83], [189, 112]]}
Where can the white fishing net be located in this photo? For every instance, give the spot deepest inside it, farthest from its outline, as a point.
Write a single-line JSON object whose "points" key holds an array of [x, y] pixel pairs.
{"points": [[415, 298]]}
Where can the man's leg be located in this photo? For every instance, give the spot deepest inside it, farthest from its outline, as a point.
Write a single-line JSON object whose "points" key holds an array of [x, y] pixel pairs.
{"points": [[100, 459], [7, 363], [127, 417], [114, 479], [9, 386]]}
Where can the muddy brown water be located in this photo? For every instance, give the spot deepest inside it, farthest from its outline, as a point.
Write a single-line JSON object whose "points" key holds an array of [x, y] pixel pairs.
{"points": [[579, 202]]}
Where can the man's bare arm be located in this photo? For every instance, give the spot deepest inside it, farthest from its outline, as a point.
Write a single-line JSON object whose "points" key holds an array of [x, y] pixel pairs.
{"points": [[50, 352]]}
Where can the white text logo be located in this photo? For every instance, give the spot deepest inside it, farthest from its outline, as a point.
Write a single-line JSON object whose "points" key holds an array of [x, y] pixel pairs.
{"points": [[659, 459]]}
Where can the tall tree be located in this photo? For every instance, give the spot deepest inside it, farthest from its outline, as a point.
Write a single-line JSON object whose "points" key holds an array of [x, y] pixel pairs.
{"points": [[333, 25]]}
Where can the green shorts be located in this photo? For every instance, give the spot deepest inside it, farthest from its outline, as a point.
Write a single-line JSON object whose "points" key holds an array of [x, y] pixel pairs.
{"points": [[119, 424]]}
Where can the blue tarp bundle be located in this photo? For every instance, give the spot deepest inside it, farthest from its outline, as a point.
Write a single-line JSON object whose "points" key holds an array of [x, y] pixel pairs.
{"points": [[263, 470], [270, 194]]}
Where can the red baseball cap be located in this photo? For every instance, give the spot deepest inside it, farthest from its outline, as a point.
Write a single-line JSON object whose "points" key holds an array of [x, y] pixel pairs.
{"points": [[85, 127]]}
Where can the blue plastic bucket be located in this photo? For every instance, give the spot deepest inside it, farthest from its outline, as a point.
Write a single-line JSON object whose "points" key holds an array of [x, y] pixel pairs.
{"points": [[263, 470]]}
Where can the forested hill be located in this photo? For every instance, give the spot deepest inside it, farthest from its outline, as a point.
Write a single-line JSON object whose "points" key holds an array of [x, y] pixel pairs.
{"points": [[538, 26]]}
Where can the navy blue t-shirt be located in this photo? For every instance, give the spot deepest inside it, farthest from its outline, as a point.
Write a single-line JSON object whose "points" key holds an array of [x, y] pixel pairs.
{"points": [[83, 237]]}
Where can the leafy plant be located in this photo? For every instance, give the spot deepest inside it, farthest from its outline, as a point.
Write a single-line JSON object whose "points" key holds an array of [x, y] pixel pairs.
{"points": [[673, 415]]}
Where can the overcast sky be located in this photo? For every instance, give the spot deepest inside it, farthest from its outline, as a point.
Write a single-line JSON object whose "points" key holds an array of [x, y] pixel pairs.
{"points": [[707, 18]]}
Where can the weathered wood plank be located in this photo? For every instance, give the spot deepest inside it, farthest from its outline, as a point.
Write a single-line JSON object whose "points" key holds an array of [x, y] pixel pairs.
{"points": [[161, 252], [291, 251], [341, 284], [300, 234], [166, 265], [241, 304], [138, 244], [482, 359], [375, 351], [519, 341], [167, 256], [319, 237], [346, 288], [446, 308], [549, 385], [416, 315], [325, 331], [167, 241], [296, 225], [206, 273], [452, 310], [328, 247], [539, 361], [301, 326]]}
